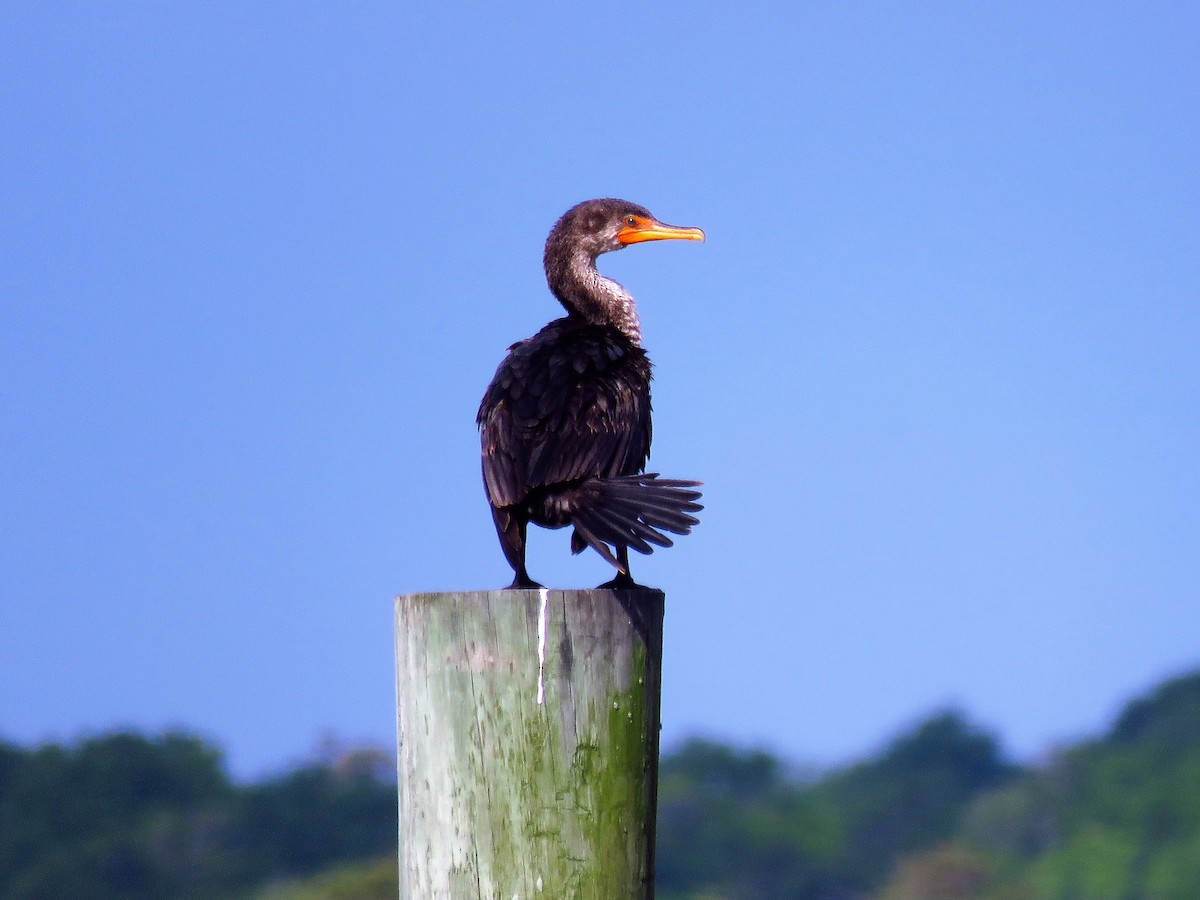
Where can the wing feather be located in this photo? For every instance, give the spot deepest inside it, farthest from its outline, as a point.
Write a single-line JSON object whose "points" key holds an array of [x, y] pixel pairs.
{"points": [[572, 402]]}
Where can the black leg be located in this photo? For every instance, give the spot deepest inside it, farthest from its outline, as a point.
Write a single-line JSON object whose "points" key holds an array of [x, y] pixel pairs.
{"points": [[522, 582], [623, 580], [511, 531]]}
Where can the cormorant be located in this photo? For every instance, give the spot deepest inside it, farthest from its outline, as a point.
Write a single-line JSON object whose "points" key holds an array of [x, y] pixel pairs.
{"points": [[565, 423]]}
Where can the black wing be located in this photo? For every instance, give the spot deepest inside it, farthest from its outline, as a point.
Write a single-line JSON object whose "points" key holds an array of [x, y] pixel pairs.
{"points": [[571, 402]]}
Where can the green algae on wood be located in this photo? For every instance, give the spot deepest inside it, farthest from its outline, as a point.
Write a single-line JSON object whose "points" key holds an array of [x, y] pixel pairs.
{"points": [[528, 743]]}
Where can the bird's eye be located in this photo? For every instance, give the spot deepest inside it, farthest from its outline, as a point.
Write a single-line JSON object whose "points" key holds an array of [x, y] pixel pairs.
{"points": [[631, 220]]}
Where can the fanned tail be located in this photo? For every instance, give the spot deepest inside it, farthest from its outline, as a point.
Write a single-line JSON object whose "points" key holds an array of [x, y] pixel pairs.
{"points": [[632, 511]]}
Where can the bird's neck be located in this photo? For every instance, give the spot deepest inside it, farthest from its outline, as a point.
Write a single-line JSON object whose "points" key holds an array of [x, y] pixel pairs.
{"points": [[588, 294]]}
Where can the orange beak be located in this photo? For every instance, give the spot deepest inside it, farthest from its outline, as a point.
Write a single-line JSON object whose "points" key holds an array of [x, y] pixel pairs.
{"points": [[644, 229]]}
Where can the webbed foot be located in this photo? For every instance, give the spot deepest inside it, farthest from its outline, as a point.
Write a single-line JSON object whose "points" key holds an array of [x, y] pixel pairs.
{"points": [[524, 583], [623, 582]]}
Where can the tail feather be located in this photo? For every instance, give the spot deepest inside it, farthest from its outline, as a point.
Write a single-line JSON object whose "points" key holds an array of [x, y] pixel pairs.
{"points": [[633, 511], [671, 518], [669, 500], [670, 515], [589, 539], [650, 486], [637, 532], [630, 533]]}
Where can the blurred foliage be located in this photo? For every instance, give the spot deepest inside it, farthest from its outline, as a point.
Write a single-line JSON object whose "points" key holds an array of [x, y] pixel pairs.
{"points": [[734, 826], [1112, 819], [138, 818], [372, 880], [938, 814]]}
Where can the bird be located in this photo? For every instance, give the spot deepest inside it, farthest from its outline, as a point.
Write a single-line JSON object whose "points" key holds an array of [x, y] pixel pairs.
{"points": [[565, 422]]}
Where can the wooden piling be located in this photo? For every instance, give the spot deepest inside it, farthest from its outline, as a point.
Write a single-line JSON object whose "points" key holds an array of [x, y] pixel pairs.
{"points": [[528, 744]]}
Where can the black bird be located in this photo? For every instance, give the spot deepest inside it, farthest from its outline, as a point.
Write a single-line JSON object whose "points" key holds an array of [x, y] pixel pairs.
{"points": [[565, 423]]}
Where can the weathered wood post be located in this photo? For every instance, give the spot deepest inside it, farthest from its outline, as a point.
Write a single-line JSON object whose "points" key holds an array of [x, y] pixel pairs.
{"points": [[528, 744]]}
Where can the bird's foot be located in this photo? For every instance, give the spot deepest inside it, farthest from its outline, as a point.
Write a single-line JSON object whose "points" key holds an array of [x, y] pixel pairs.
{"points": [[524, 583], [623, 582]]}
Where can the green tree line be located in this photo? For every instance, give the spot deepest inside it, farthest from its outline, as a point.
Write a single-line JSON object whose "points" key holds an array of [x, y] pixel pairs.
{"points": [[937, 814]]}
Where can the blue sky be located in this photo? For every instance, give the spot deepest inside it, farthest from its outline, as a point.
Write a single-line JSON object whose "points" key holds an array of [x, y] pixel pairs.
{"points": [[937, 362]]}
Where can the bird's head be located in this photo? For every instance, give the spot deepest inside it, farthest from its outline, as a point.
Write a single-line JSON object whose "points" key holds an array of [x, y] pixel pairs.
{"points": [[598, 226]]}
